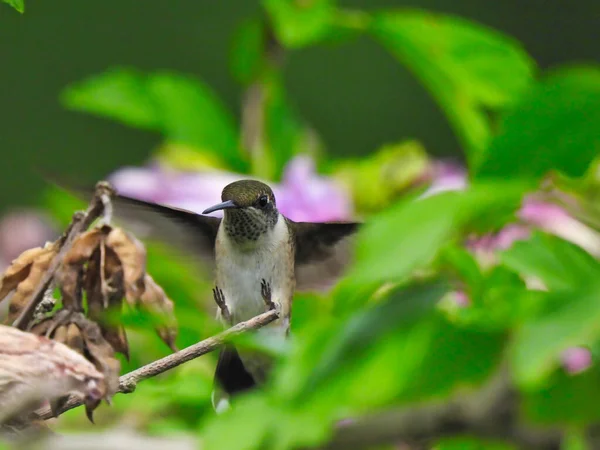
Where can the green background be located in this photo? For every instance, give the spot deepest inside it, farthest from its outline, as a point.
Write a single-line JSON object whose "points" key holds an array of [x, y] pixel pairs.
{"points": [[356, 94]]}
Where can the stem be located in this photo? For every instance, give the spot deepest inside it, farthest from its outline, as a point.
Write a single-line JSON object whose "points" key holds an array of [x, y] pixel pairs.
{"points": [[128, 382]]}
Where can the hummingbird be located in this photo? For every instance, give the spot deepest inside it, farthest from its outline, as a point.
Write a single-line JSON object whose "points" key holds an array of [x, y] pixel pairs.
{"points": [[259, 258]]}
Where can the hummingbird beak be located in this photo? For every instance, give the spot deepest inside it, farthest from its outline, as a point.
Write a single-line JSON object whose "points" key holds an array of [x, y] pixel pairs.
{"points": [[225, 205]]}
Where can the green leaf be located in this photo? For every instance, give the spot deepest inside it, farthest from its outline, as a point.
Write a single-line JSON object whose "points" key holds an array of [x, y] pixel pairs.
{"points": [[566, 399], [574, 440], [394, 243], [119, 94], [182, 108], [554, 127], [570, 318], [298, 23], [252, 418], [467, 443], [19, 5], [557, 263], [468, 68], [246, 56], [383, 176], [402, 308]]}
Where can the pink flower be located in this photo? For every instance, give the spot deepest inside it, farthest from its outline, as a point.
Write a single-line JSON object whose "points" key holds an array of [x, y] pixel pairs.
{"points": [[555, 220], [576, 360], [461, 299], [303, 195], [446, 176]]}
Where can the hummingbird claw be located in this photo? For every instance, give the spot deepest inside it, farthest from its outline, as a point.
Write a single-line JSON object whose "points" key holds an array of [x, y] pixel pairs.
{"points": [[265, 290], [220, 301]]}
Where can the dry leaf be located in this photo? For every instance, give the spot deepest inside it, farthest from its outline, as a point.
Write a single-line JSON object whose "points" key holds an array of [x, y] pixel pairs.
{"points": [[60, 334], [101, 354], [74, 338], [132, 255], [155, 301], [84, 245], [70, 276], [33, 368], [23, 276], [105, 291], [18, 270]]}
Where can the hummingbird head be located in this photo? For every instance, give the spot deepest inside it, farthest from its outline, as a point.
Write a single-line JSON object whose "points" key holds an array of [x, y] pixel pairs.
{"points": [[249, 210]]}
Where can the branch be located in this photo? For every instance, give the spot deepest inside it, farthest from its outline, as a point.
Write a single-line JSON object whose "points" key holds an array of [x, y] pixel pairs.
{"points": [[128, 382], [80, 223], [254, 102], [493, 412]]}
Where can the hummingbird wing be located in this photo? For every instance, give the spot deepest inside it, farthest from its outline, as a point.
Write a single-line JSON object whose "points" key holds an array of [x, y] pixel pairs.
{"points": [[193, 234], [323, 250]]}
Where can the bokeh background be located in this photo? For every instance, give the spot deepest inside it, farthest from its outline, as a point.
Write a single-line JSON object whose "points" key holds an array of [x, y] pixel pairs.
{"points": [[384, 107], [355, 94]]}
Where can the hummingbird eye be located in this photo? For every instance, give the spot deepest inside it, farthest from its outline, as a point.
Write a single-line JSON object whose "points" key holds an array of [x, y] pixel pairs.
{"points": [[263, 201]]}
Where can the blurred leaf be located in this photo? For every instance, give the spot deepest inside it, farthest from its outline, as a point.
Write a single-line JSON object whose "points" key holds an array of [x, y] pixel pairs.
{"points": [[498, 301], [566, 399], [570, 318], [380, 178], [468, 443], [251, 419], [119, 94], [359, 333], [456, 356], [182, 108], [557, 263], [468, 68], [409, 234], [298, 23], [556, 120], [574, 440], [19, 5], [247, 51]]}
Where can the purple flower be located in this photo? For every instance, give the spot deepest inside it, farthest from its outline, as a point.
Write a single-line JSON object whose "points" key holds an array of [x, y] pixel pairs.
{"points": [[461, 299], [576, 360], [446, 176], [303, 195], [554, 219], [22, 230]]}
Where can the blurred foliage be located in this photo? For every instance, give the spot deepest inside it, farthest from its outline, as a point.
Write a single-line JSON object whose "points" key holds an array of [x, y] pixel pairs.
{"points": [[390, 334], [19, 5]]}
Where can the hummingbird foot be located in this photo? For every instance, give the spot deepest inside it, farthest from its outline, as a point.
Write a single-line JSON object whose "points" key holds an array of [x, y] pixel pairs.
{"points": [[220, 301], [265, 290]]}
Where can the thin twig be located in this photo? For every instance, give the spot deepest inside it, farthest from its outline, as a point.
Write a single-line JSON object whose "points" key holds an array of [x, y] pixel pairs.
{"points": [[128, 382], [80, 223]]}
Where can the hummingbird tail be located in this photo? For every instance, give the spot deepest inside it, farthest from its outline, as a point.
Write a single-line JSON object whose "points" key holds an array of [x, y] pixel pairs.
{"points": [[231, 378]]}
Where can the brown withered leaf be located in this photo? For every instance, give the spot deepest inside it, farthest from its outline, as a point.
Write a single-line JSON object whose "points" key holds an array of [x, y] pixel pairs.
{"points": [[155, 301], [18, 270], [23, 276], [105, 291], [132, 255], [74, 338], [101, 354], [60, 334], [34, 368], [70, 276], [84, 245], [70, 279]]}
